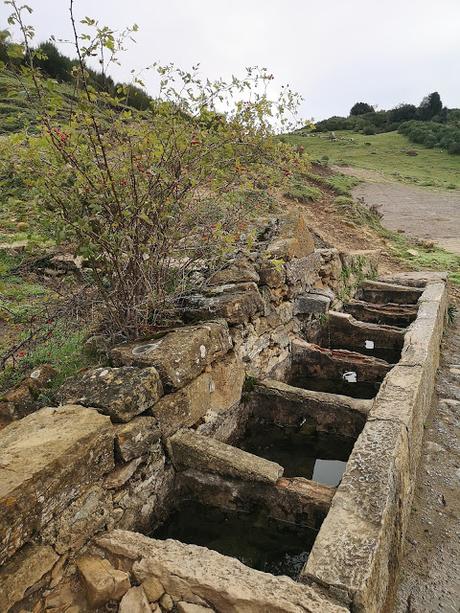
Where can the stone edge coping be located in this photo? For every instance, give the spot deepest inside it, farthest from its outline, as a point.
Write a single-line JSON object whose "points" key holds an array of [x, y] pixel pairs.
{"points": [[355, 555], [198, 574]]}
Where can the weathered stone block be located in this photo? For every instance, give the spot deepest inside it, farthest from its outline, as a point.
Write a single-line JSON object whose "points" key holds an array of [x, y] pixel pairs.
{"points": [[313, 360], [234, 303], [85, 516], [294, 239], [304, 271], [48, 457], [179, 356], [122, 393], [308, 304], [382, 293], [135, 601], [344, 331], [102, 581], [227, 377], [356, 551], [415, 279], [22, 398], [143, 499], [186, 406], [121, 474], [239, 271], [136, 438], [388, 314], [189, 607], [191, 450], [23, 572], [272, 275]]}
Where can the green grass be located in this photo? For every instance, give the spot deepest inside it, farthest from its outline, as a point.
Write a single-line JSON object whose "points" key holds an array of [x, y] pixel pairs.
{"points": [[63, 349], [300, 192], [385, 153]]}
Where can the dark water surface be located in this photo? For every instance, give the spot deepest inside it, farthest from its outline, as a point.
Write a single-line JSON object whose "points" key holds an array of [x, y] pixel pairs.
{"points": [[253, 538], [360, 389], [303, 453]]}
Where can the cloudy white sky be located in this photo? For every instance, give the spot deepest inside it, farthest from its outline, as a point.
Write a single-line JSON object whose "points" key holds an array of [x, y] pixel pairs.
{"points": [[333, 52]]}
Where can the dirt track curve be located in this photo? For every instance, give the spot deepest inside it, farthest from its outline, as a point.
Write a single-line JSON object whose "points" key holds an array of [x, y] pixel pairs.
{"points": [[429, 214]]}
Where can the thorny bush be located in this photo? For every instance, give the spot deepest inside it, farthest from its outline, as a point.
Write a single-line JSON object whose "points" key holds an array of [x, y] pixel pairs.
{"points": [[145, 195]]}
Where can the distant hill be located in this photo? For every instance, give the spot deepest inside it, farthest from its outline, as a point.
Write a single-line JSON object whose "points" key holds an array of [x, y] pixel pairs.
{"points": [[430, 124]]}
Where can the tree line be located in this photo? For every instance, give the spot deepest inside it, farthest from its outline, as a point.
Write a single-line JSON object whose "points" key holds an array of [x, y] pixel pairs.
{"points": [[55, 65], [430, 123]]}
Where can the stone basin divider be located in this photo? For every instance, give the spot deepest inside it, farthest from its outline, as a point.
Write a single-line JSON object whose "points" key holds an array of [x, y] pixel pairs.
{"points": [[130, 439]]}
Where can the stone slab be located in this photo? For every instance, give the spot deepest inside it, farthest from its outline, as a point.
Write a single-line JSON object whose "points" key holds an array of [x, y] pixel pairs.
{"points": [[283, 404], [314, 360], [122, 393], [356, 551], [293, 500], [311, 304], [191, 450], [136, 438], [185, 407], [343, 331], [237, 304], [46, 461], [379, 292], [23, 571], [223, 583], [179, 356]]}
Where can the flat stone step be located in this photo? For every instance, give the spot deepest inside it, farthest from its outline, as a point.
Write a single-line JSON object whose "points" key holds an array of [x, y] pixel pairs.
{"points": [[398, 315]]}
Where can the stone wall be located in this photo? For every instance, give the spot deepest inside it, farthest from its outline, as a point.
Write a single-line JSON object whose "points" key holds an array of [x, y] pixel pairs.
{"points": [[97, 461]]}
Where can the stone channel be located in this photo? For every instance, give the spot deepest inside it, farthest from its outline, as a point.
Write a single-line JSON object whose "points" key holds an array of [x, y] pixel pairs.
{"points": [[260, 458]]}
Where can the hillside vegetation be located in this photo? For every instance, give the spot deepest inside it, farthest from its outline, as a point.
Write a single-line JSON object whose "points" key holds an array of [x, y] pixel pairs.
{"points": [[390, 153]]}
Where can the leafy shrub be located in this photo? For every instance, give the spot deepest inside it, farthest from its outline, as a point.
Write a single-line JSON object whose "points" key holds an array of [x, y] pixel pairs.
{"points": [[432, 134], [454, 148], [146, 196]]}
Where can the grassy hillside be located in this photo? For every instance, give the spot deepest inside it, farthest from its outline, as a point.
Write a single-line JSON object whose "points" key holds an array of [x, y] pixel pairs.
{"points": [[386, 153]]}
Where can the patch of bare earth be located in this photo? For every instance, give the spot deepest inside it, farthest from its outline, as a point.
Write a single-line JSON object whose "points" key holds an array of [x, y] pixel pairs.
{"points": [[430, 214], [333, 229]]}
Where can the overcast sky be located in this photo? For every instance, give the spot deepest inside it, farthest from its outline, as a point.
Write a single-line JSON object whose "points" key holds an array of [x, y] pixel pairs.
{"points": [[334, 52]]}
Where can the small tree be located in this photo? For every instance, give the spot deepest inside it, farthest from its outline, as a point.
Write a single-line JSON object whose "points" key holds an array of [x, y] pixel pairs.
{"points": [[360, 108], [430, 106], [145, 195]]}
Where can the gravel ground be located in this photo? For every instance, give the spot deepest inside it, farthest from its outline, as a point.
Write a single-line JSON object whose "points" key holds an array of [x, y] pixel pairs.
{"points": [[430, 573], [422, 213]]}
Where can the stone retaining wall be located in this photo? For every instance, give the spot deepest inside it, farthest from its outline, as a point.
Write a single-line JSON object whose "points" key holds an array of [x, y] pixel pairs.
{"points": [[98, 461]]}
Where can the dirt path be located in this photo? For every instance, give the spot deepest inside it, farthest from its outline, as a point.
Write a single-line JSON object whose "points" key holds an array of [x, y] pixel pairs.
{"points": [[423, 213], [430, 574]]}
